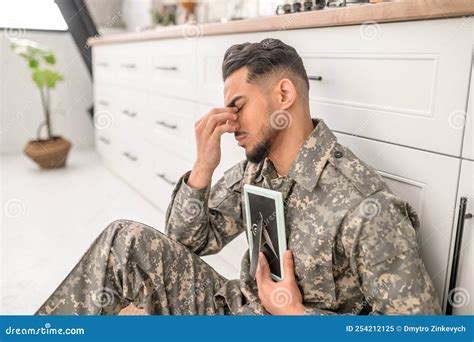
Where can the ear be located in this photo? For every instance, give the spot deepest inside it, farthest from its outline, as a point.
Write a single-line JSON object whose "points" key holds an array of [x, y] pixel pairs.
{"points": [[286, 93]]}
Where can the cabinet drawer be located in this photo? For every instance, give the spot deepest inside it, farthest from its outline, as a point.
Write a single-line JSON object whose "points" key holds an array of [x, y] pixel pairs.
{"points": [[133, 64], [403, 85], [173, 68], [106, 120], [121, 110], [105, 144], [171, 121], [428, 181], [129, 161], [163, 171], [104, 63]]}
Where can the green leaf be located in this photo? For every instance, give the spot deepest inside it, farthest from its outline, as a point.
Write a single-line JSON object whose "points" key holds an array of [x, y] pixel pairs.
{"points": [[39, 78], [34, 54], [46, 78], [33, 63], [49, 58]]}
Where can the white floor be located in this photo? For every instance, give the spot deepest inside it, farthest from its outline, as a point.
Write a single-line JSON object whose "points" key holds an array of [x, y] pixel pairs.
{"points": [[50, 218]]}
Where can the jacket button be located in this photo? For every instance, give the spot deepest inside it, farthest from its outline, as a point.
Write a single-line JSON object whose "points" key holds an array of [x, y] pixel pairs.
{"points": [[338, 154]]}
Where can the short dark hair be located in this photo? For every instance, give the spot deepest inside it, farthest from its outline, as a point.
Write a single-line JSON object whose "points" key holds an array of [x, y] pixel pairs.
{"points": [[269, 56]]}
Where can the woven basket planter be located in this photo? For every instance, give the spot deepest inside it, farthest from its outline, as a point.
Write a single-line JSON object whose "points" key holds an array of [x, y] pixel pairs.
{"points": [[48, 154]]}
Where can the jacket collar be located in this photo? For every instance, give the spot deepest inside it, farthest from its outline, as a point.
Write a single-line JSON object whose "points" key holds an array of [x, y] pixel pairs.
{"points": [[313, 155], [310, 160]]}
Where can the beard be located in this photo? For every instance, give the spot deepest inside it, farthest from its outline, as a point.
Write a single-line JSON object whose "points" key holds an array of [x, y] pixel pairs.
{"points": [[263, 147]]}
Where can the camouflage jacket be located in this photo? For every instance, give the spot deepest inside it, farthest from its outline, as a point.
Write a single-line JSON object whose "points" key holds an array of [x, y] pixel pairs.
{"points": [[354, 242]]}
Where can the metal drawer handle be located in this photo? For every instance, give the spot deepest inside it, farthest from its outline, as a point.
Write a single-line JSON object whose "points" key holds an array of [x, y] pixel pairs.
{"points": [[104, 140], [103, 64], [103, 103], [315, 78], [167, 125], [128, 65], [168, 68], [462, 217], [163, 176], [128, 113], [129, 156]]}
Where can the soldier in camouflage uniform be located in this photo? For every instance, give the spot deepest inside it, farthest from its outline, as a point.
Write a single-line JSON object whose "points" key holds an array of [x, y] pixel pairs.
{"points": [[353, 242]]}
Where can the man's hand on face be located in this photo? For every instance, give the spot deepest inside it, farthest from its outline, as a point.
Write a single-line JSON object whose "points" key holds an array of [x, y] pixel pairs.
{"points": [[208, 131], [282, 297]]}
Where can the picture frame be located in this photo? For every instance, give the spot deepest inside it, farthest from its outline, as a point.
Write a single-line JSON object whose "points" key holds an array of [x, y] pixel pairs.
{"points": [[265, 221]]}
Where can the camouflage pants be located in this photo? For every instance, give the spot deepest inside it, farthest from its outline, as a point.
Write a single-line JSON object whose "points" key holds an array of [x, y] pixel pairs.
{"points": [[132, 262]]}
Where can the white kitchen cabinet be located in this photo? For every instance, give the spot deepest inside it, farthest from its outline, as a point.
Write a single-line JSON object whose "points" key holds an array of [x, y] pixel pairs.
{"points": [[133, 61], [468, 144], [129, 161], [105, 145], [126, 64], [162, 172], [132, 107], [104, 63], [120, 111], [404, 83], [428, 181], [106, 119], [173, 68], [170, 123], [462, 298]]}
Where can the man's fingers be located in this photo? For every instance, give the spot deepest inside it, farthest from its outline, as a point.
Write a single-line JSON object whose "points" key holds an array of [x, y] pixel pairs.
{"points": [[288, 265], [202, 121], [263, 269], [220, 130], [221, 109], [218, 119]]}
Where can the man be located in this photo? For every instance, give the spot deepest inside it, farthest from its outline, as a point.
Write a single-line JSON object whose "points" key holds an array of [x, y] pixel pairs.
{"points": [[351, 242]]}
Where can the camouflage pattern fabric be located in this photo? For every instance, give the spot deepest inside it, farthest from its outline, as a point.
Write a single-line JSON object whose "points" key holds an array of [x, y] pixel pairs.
{"points": [[132, 262], [354, 244]]}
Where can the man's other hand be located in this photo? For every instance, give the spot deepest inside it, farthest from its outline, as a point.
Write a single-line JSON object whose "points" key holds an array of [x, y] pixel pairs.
{"points": [[282, 297]]}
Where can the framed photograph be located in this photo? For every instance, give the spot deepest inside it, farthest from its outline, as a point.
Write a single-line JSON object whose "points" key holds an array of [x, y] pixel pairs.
{"points": [[265, 220]]}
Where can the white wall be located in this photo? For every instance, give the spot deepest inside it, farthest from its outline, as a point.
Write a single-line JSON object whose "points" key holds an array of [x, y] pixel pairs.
{"points": [[20, 103]]}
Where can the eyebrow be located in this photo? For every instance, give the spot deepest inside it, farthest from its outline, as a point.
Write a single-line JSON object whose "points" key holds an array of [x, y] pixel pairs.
{"points": [[234, 100]]}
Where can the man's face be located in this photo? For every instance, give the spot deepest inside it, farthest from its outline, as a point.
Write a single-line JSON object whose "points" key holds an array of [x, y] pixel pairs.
{"points": [[255, 133]]}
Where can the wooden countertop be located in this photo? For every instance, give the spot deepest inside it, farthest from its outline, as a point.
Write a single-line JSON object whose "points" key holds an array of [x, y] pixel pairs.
{"points": [[404, 10]]}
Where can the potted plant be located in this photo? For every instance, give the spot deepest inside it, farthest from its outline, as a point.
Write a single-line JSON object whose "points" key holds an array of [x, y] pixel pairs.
{"points": [[51, 152]]}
